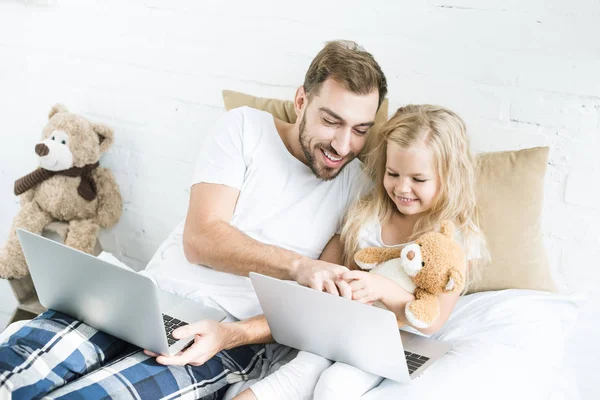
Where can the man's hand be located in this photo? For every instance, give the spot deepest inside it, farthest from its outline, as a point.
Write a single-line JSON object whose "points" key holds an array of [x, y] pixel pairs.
{"points": [[366, 287], [323, 276], [210, 337]]}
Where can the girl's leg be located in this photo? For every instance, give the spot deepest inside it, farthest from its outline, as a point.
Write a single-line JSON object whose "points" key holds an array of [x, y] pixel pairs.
{"points": [[343, 381], [295, 380]]}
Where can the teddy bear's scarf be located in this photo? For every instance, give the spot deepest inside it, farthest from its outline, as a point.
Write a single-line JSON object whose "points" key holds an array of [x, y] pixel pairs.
{"points": [[86, 189]]}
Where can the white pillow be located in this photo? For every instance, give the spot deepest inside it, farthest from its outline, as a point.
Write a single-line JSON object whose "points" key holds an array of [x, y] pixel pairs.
{"points": [[533, 321]]}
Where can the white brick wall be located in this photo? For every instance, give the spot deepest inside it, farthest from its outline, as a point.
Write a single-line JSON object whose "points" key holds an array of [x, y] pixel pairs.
{"points": [[522, 73]]}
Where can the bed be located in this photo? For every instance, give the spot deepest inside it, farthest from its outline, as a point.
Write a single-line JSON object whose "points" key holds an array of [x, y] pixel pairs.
{"points": [[508, 343]]}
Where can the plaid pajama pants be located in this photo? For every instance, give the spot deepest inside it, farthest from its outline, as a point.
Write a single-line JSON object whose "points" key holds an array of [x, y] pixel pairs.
{"points": [[57, 357]]}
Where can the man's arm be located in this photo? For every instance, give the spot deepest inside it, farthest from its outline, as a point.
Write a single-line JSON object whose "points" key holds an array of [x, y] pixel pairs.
{"points": [[254, 330], [210, 337], [209, 239]]}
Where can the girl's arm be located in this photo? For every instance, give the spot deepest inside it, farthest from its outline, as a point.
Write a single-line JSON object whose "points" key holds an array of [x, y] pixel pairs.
{"points": [[367, 288], [447, 302], [333, 251], [394, 298]]}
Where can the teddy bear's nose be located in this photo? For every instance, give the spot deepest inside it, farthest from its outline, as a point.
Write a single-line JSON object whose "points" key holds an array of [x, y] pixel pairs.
{"points": [[41, 149], [410, 255]]}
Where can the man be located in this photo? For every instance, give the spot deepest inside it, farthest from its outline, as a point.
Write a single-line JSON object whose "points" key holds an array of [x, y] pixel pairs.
{"points": [[267, 196]]}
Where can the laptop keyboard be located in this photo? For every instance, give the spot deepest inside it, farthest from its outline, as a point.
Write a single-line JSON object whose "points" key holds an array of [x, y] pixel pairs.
{"points": [[414, 361], [170, 325]]}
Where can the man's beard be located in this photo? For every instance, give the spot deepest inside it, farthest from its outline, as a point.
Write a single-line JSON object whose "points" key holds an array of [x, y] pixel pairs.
{"points": [[325, 173]]}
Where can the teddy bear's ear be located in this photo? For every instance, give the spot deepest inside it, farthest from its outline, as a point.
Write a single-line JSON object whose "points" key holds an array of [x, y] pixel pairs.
{"points": [[447, 229], [105, 135], [58, 108]]}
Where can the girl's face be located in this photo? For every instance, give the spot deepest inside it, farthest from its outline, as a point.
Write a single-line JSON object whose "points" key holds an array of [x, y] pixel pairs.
{"points": [[410, 179]]}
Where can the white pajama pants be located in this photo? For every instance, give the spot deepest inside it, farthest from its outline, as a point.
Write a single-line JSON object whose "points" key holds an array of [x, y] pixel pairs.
{"points": [[309, 376]]}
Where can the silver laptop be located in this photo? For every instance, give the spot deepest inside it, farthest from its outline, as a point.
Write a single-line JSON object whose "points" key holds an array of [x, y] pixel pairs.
{"points": [[339, 329], [108, 297]]}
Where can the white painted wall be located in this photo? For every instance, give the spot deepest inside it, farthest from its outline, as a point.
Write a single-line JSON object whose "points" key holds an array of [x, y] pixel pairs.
{"points": [[521, 73]]}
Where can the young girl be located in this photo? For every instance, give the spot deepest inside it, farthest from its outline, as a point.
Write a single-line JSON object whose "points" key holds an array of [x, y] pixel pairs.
{"points": [[424, 174]]}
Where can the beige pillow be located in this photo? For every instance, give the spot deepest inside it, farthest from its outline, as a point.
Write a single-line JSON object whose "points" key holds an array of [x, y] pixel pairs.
{"points": [[510, 191], [281, 109], [510, 188], [284, 110]]}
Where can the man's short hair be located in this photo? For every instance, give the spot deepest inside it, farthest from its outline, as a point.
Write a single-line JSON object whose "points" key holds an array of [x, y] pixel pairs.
{"points": [[348, 64]]}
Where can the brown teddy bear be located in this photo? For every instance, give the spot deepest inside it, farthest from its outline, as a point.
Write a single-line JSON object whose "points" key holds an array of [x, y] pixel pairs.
{"points": [[69, 186], [434, 263]]}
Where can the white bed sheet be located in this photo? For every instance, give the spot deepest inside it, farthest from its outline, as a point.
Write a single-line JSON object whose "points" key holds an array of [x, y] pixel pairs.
{"points": [[507, 345]]}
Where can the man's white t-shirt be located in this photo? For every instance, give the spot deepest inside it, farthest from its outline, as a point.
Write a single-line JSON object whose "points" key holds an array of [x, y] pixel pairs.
{"points": [[281, 203]]}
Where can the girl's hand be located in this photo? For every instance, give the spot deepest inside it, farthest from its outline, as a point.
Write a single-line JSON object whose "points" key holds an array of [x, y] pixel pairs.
{"points": [[366, 287]]}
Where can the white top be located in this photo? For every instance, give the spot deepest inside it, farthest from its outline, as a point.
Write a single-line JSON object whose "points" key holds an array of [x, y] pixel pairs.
{"points": [[281, 203], [369, 235]]}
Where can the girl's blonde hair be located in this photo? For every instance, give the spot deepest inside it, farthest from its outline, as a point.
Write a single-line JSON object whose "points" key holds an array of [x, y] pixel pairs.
{"points": [[445, 134]]}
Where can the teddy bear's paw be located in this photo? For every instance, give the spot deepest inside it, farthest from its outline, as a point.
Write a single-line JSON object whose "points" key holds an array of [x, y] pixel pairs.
{"points": [[367, 258], [364, 265], [412, 318], [11, 269]]}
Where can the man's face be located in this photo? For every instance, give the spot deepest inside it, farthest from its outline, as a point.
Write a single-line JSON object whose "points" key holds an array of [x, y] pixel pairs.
{"points": [[334, 127]]}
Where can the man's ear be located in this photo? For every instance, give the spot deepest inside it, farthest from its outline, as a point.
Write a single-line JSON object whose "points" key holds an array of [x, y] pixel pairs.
{"points": [[57, 109], [300, 101], [105, 136]]}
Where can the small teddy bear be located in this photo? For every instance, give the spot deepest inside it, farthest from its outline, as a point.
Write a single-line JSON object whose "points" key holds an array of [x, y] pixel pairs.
{"points": [[434, 263], [69, 186]]}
